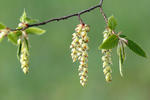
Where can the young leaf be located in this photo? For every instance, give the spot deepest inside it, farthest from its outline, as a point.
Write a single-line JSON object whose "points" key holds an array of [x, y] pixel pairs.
{"points": [[27, 43], [136, 48], [121, 54], [2, 26], [13, 37], [19, 49], [30, 21], [122, 36], [23, 17], [18, 33], [110, 42], [35, 30], [120, 63], [112, 23]]}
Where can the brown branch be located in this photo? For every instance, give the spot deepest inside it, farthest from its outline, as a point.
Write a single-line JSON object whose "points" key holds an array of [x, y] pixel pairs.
{"points": [[64, 17]]}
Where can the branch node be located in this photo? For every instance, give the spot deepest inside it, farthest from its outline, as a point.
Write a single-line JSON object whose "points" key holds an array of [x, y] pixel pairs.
{"points": [[81, 21]]}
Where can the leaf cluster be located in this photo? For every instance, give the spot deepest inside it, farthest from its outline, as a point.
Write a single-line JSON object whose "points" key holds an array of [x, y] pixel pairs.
{"points": [[13, 36], [120, 41]]}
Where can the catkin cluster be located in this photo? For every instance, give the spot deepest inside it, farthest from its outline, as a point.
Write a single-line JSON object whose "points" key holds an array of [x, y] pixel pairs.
{"points": [[24, 57], [106, 58], [79, 48]]}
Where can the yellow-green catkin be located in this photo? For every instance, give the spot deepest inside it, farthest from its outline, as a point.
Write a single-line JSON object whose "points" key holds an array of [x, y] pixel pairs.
{"points": [[24, 57], [79, 50], [106, 58]]}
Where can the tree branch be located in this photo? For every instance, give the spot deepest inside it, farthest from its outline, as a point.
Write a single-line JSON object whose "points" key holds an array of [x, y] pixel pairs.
{"points": [[67, 17]]}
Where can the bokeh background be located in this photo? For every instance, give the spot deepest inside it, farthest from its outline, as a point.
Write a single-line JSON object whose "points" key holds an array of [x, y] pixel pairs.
{"points": [[52, 75]]}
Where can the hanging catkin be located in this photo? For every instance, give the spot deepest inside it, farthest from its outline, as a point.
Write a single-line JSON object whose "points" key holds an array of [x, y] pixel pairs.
{"points": [[79, 50], [106, 58]]}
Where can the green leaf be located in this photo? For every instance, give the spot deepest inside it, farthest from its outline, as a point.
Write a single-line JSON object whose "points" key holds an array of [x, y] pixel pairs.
{"points": [[2, 26], [19, 28], [19, 48], [13, 37], [23, 17], [35, 30], [112, 23], [110, 42], [30, 21], [18, 33], [136, 48], [122, 36]]}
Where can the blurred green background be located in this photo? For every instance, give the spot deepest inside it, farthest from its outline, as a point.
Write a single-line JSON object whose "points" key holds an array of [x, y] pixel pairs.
{"points": [[52, 75]]}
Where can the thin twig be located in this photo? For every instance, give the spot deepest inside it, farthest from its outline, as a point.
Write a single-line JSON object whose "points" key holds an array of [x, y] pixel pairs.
{"points": [[104, 15], [64, 17], [102, 12], [81, 21]]}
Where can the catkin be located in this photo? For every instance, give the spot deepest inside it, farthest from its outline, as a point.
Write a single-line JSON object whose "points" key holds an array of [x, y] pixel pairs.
{"points": [[106, 58], [79, 50], [24, 57]]}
